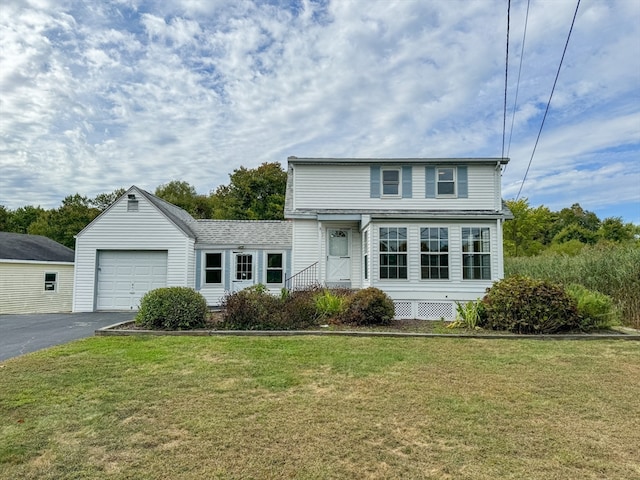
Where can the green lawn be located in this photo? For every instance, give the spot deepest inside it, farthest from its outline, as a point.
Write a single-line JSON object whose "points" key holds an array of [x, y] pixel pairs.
{"points": [[322, 407]]}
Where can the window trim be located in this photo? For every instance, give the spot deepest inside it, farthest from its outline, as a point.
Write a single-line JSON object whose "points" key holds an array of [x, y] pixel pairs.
{"points": [[397, 253], [205, 269], [398, 183], [472, 253], [266, 267], [438, 253], [53, 282]]}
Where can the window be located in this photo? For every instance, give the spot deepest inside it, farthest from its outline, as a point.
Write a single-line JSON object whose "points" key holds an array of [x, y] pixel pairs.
{"points": [[365, 245], [391, 182], [213, 268], [244, 266], [446, 181], [393, 256], [275, 271], [434, 259], [50, 282], [476, 258]]}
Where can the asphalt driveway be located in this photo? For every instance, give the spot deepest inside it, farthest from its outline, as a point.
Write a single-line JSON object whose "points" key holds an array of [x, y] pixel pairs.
{"points": [[20, 334]]}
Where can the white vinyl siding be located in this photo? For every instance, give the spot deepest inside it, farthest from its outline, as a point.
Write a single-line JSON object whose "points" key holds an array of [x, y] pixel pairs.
{"points": [[119, 229], [306, 248], [22, 287], [349, 186]]}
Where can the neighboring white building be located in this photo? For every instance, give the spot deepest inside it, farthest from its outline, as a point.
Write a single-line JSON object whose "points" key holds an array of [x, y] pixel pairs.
{"points": [[36, 274], [426, 231]]}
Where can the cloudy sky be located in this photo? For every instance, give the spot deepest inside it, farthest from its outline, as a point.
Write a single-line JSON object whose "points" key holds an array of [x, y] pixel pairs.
{"points": [[97, 95]]}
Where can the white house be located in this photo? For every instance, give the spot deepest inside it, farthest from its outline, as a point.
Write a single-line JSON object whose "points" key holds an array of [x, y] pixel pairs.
{"points": [[426, 231], [36, 274], [142, 242]]}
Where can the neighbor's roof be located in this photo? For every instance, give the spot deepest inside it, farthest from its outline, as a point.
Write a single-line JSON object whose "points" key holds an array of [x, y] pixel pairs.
{"points": [[20, 246], [276, 233]]}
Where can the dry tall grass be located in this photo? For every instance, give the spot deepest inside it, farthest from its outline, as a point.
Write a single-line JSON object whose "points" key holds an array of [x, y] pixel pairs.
{"points": [[612, 269]]}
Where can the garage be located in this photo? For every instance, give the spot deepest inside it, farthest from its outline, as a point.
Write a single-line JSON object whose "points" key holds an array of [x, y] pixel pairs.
{"points": [[124, 276]]}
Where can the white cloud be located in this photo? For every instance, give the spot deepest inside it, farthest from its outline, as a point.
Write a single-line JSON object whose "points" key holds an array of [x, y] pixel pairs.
{"points": [[102, 95]]}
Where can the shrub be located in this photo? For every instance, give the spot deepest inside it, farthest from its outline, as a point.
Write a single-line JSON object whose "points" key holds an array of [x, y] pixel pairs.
{"points": [[524, 305], [596, 309], [330, 304], [370, 306], [299, 310], [469, 315], [251, 309], [172, 308]]}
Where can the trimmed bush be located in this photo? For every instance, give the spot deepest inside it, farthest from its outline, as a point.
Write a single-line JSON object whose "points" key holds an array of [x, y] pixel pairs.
{"points": [[370, 306], [253, 308], [596, 310], [299, 309], [524, 305], [172, 308]]}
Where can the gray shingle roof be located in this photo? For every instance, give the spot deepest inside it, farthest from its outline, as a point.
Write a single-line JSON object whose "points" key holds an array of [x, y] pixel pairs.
{"points": [[19, 246], [275, 233], [178, 216]]}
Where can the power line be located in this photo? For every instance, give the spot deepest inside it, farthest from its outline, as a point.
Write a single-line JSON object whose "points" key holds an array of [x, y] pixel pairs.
{"points": [[549, 102], [506, 77], [515, 101]]}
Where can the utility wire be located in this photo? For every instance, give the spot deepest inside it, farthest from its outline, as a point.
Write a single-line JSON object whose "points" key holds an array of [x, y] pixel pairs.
{"points": [[549, 102], [506, 77], [515, 101]]}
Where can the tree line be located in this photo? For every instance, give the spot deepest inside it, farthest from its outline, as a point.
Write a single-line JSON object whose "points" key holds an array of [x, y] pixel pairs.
{"points": [[252, 194], [259, 193]]}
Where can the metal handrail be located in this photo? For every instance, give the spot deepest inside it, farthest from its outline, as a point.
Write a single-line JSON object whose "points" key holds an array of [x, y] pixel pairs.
{"points": [[304, 278]]}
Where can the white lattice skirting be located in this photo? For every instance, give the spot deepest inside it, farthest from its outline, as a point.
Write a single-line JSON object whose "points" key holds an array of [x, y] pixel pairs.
{"points": [[424, 310]]}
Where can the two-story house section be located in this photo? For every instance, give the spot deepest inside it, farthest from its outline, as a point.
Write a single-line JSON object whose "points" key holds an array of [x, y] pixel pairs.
{"points": [[427, 231]]}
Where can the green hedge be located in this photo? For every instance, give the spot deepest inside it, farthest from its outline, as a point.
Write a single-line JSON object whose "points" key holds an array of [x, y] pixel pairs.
{"points": [[172, 308]]}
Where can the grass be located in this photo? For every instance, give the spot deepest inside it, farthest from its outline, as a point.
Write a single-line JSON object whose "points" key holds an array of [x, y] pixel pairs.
{"points": [[321, 408], [612, 269]]}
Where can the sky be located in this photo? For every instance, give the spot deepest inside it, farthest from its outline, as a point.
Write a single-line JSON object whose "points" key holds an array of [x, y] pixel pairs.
{"points": [[96, 95]]}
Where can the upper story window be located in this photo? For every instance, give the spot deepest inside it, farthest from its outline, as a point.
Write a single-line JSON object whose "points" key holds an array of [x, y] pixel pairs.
{"points": [[213, 268], [275, 268], [390, 182], [393, 252], [50, 282], [446, 182]]}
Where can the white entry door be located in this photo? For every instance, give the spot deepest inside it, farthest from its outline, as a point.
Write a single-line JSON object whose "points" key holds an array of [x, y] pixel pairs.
{"points": [[244, 270], [339, 255]]}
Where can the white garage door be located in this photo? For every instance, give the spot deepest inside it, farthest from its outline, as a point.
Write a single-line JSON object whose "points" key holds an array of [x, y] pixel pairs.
{"points": [[125, 276]]}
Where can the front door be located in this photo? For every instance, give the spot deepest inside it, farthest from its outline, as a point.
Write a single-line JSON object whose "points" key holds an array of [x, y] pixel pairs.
{"points": [[244, 270], [339, 255]]}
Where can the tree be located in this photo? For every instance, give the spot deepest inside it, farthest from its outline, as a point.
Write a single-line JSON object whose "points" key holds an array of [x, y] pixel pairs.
{"points": [[64, 223], [252, 194], [614, 230], [575, 215], [5, 217], [526, 234], [184, 196], [104, 200], [20, 219]]}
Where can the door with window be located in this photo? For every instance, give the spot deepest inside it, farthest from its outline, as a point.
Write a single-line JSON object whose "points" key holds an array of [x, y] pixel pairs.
{"points": [[338, 255], [244, 272]]}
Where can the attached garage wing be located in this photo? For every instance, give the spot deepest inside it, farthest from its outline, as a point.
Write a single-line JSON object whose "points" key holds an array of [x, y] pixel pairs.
{"points": [[124, 276]]}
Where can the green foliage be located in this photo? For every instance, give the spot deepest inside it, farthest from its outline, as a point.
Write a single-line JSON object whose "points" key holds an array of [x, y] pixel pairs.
{"points": [[570, 247], [255, 308], [183, 195], [527, 233], [104, 200], [329, 304], [370, 306], [525, 305], [172, 308], [469, 315], [610, 269], [252, 194], [596, 310]]}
